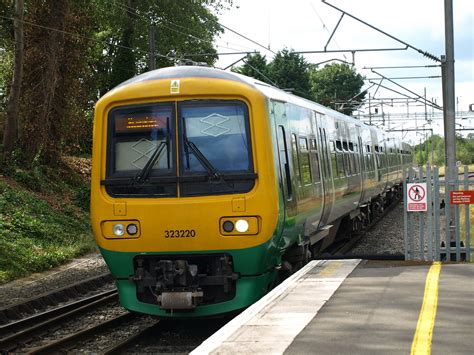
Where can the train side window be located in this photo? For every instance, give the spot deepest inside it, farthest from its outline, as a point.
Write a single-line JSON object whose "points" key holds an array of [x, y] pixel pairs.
{"points": [[339, 159], [315, 161], [347, 158], [305, 165], [356, 157], [296, 158], [334, 161]]}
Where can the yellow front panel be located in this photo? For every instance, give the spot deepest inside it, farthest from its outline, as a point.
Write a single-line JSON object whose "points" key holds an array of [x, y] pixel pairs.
{"points": [[187, 223]]}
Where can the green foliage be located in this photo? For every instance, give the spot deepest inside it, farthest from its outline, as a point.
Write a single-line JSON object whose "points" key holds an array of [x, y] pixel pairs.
{"points": [[36, 235], [464, 150], [183, 29], [337, 83], [289, 70], [256, 67]]}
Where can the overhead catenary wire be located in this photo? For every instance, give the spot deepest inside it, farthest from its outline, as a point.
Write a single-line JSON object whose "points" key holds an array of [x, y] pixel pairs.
{"points": [[189, 30], [247, 38], [84, 37]]}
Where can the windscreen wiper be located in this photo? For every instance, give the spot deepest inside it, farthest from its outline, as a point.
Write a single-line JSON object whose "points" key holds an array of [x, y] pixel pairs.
{"points": [[145, 172], [213, 172]]}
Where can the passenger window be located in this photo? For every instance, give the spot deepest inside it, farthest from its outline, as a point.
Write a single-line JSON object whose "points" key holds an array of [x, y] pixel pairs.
{"points": [[315, 158], [304, 162], [333, 160], [296, 158]]}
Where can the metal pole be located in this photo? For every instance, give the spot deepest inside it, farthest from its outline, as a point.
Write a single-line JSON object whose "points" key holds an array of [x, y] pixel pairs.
{"points": [[449, 107], [429, 222], [370, 113], [467, 223], [437, 214]]}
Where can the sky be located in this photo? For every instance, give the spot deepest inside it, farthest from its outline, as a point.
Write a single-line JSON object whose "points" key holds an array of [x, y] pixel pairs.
{"points": [[306, 25]]}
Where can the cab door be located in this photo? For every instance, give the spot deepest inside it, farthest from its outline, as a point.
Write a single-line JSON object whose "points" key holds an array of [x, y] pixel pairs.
{"points": [[326, 170], [283, 145]]}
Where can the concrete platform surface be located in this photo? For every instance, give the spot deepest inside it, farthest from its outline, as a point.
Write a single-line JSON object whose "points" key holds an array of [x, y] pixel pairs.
{"points": [[377, 309]]}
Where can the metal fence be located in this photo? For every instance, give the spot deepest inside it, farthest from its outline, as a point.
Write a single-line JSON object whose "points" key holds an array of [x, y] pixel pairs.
{"points": [[440, 228]]}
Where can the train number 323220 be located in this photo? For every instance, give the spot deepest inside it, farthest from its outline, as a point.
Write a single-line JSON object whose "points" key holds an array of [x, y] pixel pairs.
{"points": [[180, 233]]}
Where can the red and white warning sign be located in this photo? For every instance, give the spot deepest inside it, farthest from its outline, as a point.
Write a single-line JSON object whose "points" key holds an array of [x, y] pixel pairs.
{"points": [[416, 197]]}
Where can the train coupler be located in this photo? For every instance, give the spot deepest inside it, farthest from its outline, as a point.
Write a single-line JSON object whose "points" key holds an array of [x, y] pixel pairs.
{"points": [[184, 300]]}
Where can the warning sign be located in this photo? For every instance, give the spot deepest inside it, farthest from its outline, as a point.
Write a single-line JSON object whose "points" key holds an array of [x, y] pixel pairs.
{"points": [[416, 197], [174, 86], [462, 197]]}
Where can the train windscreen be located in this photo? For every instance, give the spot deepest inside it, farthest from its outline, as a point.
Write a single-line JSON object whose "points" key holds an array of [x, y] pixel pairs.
{"points": [[214, 149]]}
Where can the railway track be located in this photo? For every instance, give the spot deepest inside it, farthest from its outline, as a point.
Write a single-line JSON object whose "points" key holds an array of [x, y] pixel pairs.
{"points": [[71, 342], [342, 249], [29, 329], [95, 323], [38, 303]]}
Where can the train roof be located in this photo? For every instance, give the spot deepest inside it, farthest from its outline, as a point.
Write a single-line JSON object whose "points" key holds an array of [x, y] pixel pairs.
{"points": [[269, 91]]}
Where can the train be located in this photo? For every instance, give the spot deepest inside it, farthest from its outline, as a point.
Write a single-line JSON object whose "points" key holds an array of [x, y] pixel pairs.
{"points": [[208, 185]]}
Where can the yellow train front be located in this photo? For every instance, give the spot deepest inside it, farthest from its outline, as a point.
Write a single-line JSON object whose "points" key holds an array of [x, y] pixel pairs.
{"points": [[206, 183], [184, 201]]}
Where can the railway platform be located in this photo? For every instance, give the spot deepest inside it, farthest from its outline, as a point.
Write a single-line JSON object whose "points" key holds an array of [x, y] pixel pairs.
{"points": [[358, 307]]}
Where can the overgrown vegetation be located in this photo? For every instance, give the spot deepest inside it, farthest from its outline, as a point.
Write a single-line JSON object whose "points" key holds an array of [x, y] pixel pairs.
{"points": [[57, 57], [432, 149], [44, 219]]}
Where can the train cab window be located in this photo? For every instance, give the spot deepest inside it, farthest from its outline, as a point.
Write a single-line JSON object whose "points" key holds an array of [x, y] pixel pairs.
{"points": [[140, 159], [305, 165]]}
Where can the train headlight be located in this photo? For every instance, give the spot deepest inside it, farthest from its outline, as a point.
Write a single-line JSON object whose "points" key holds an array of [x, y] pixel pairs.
{"points": [[132, 229], [119, 229], [242, 226], [248, 225], [228, 226]]}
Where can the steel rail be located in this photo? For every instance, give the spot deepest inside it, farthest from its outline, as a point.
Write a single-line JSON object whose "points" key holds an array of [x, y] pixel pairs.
{"points": [[59, 344], [13, 311], [130, 340], [49, 314], [12, 340]]}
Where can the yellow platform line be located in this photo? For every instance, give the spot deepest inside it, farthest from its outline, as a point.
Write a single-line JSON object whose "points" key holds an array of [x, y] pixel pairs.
{"points": [[424, 328]]}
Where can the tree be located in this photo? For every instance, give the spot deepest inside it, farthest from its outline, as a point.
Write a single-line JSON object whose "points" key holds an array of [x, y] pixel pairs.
{"points": [[10, 133], [54, 95], [337, 83], [289, 70], [255, 66], [124, 62], [184, 30], [77, 50]]}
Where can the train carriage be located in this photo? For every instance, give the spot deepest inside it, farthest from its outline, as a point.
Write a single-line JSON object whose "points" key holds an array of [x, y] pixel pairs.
{"points": [[206, 184]]}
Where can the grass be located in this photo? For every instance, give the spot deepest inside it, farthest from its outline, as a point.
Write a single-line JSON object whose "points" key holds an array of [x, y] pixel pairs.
{"points": [[44, 220], [442, 169]]}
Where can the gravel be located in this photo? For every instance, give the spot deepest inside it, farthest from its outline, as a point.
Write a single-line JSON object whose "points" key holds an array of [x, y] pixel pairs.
{"points": [[386, 237], [34, 285]]}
